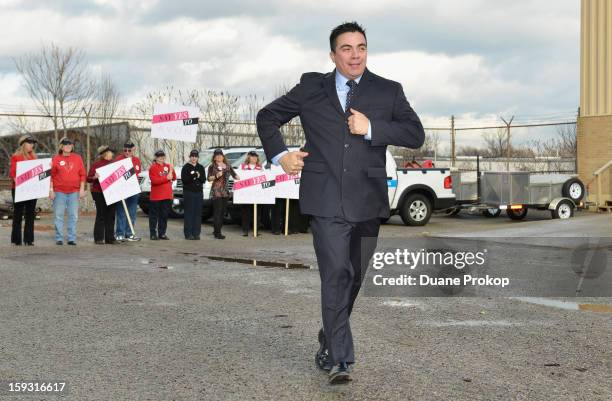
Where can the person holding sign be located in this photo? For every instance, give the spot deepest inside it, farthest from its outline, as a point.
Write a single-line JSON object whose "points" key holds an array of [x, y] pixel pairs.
{"points": [[193, 177], [218, 173], [250, 163], [67, 187], [123, 231], [25, 210], [104, 227], [349, 116], [161, 174]]}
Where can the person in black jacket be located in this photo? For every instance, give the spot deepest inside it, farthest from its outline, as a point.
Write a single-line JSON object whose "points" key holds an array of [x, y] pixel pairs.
{"points": [[193, 177]]}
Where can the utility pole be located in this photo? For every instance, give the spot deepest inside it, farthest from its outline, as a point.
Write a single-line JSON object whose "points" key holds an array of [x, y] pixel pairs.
{"points": [[88, 145], [452, 141], [508, 123]]}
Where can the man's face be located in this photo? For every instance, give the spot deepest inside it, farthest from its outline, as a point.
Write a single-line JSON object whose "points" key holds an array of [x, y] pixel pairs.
{"points": [[128, 151], [351, 54]]}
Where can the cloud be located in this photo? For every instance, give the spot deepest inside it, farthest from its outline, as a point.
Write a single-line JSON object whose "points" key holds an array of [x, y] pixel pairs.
{"points": [[469, 58]]}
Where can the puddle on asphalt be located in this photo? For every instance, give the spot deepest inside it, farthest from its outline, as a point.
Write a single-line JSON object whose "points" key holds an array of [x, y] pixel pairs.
{"points": [[259, 263], [566, 305], [475, 323]]}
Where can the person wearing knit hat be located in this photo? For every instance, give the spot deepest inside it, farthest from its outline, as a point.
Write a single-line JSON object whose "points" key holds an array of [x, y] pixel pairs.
{"points": [[25, 210], [104, 226], [67, 187], [123, 231]]}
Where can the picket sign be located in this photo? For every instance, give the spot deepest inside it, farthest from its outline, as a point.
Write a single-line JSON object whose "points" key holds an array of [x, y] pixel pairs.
{"points": [[32, 179]]}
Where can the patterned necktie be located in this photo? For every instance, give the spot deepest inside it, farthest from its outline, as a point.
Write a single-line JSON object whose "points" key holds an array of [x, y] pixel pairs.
{"points": [[349, 96]]}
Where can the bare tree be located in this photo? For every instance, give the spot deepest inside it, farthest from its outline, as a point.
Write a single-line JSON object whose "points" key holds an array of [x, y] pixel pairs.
{"points": [[58, 81], [496, 143], [222, 109]]}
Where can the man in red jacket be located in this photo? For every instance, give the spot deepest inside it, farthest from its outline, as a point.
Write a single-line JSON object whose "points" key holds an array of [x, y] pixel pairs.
{"points": [[67, 187], [123, 231], [161, 174]]}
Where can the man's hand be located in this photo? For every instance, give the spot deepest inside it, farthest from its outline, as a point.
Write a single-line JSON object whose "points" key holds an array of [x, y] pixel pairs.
{"points": [[169, 176], [51, 194], [81, 193], [358, 123], [293, 162]]}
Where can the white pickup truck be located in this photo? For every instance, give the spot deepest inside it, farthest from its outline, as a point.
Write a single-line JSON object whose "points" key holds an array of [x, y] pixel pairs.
{"points": [[414, 193]]}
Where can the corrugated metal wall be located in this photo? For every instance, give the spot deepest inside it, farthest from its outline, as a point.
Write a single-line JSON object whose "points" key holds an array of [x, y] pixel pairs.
{"points": [[596, 58]]}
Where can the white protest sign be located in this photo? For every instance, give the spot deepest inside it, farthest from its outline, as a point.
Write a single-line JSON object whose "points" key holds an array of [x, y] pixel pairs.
{"points": [[175, 122], [254, 186], [286, 186], [32, 179], [118, 181]]}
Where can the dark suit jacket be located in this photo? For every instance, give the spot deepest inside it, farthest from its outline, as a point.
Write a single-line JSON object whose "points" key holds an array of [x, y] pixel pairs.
{"points": [[344, 174]]}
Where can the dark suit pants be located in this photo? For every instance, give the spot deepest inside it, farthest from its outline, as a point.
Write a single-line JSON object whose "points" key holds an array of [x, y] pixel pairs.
{"points": [[337, 244]]}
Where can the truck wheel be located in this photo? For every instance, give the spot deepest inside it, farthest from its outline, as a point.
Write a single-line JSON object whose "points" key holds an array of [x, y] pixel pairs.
{"points": [[517, 214], [206, 214], [573, 189], [176, 211], [416, 210], [491, 212], [564, 210]]}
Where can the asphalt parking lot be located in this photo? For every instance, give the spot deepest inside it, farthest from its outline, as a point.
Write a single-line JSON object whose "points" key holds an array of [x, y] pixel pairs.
{"points": [[215, 319]]}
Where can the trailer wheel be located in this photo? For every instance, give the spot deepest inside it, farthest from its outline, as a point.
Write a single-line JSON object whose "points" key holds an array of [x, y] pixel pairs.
{"points": [[564, 210], [416, 210], [453, 211], [573, 189], [517, 214], [491, 212]]}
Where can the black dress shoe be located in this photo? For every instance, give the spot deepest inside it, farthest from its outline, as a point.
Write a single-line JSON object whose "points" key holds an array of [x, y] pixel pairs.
{"points": [[219, 236], [164, 237], [196, 238], [99, 242], [112, 242], [339, 374], [245, 234], [322, 355], [59, 242], [29, 244], [154, 237], [71, 243]]}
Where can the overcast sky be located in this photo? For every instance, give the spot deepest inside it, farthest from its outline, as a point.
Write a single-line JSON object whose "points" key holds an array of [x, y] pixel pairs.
{"points": [[473, 58]]}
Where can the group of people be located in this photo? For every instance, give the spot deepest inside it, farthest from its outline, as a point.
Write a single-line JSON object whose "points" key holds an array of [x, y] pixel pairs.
{"points": [[111, 225], [66, 188]]}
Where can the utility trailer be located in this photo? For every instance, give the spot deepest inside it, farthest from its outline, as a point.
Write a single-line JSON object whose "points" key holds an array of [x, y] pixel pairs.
{"points": [[516, 192]]}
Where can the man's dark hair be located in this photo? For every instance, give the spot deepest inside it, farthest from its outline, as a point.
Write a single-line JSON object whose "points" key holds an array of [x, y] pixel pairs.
{"points": [[344, 28]]}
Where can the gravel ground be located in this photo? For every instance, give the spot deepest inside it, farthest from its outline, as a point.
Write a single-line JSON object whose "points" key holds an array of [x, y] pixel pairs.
{"points": [[162, 320]]}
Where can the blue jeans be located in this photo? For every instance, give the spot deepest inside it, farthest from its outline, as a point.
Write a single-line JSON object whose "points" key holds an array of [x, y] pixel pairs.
{"points": [[123, 228], [61, 204]]}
